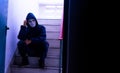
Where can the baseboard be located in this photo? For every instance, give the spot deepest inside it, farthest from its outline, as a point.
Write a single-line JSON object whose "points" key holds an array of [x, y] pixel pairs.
{"points": [[8, 70]]}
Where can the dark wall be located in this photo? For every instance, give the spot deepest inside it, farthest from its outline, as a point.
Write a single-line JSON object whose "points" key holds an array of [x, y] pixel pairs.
{"points": [[75, 46]]}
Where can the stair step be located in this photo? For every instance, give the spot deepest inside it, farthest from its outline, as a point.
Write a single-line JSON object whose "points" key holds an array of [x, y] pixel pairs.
{"points": [[49, 21], [49, 62], [33, 70], [53, 35], [54, 43], [52, 53], [52, 27]]}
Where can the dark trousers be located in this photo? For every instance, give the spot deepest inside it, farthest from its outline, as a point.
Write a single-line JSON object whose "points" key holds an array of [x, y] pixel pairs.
{"points": [[33, 49]]}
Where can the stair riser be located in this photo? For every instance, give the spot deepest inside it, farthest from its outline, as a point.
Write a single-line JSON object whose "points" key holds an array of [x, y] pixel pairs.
{"points": [[53, 35], [53, 53], [30, 70], [54, 43], [52, 28]]}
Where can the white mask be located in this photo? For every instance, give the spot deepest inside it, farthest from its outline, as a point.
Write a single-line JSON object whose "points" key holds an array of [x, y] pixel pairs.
{"points": [[32, 24]]}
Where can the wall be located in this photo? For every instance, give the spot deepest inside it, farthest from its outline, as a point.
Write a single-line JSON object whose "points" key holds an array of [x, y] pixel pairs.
{"points": [[17, 11], [51, 9], [3, 22]]}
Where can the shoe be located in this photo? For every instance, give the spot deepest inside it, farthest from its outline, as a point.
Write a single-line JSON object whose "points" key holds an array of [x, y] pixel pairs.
{"points": [[24, 61], [41, 64]]}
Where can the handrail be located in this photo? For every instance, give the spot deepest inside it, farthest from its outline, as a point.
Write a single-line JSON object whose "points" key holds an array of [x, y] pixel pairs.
{"points": [[61, 31], [61, 46]]}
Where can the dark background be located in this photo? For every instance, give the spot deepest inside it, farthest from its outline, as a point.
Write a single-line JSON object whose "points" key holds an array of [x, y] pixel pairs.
{"points": [[78, 14]]}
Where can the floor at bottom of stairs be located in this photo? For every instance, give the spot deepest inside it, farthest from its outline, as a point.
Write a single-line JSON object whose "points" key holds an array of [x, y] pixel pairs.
{"points": [[33, 70]]}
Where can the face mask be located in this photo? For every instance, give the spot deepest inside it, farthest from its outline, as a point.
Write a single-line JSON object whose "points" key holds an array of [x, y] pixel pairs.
{"points": [[32, 23]]}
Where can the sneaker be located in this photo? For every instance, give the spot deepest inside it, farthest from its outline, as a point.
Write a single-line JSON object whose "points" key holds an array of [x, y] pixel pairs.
{"points": [[41, 64], [24, 61]]}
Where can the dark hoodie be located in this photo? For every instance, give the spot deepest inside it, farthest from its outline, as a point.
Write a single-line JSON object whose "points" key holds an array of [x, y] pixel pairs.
{"points": [[31, 16], [36, 34]]}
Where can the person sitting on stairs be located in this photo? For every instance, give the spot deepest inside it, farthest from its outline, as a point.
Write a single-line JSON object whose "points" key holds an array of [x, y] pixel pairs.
{"points": [[32, 40]]}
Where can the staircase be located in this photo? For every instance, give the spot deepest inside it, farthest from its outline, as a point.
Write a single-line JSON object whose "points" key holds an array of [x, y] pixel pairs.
{"points": [[52, 61]]}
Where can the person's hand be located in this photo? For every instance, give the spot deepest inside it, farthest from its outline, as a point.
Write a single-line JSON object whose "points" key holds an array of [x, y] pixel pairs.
{"points": [[25, 23], [27, 41]]}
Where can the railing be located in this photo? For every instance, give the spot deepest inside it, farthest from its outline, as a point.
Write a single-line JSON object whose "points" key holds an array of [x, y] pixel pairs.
{"points": [[61, 31], [61, 46]]}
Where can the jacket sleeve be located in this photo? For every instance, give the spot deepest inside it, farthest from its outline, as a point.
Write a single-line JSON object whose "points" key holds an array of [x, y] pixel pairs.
{"points": [[41, 37], [22, 33]]}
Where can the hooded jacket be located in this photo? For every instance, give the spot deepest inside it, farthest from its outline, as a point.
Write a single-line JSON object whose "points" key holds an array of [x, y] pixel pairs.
{"points": [[36, 34]]}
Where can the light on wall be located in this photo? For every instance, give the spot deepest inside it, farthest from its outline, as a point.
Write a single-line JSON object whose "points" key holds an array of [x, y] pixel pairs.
{"points": [[51, 9]]}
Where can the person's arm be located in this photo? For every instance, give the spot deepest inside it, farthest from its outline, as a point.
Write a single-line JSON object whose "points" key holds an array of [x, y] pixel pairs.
{"points": [[23, 32]]}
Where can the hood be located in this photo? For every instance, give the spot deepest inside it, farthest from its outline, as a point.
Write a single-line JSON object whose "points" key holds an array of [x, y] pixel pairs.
{"points": [[31, 16]]}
